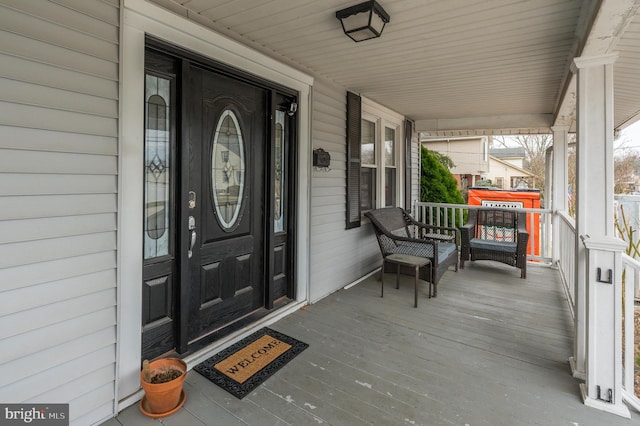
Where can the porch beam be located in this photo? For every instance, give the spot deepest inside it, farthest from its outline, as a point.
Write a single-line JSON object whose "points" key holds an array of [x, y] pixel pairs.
{"points": [[594, 177], [500, 125], [601, 25]]}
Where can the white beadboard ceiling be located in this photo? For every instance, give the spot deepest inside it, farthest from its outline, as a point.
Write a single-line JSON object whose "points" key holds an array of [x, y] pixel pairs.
{"points": [[455, 66]]}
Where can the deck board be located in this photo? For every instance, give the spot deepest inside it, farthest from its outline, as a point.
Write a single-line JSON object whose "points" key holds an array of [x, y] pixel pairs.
{"points": [[491, 349]]}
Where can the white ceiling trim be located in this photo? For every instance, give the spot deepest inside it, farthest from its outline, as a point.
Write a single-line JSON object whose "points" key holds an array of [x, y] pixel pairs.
{"points": [[542, 122]]}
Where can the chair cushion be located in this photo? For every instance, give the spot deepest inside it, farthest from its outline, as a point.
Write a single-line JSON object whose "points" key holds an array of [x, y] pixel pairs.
{"points": [[446, 249], [497, 233], [504, 246]]}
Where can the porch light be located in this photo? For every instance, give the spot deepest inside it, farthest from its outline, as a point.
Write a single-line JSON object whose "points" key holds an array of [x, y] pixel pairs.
{"points": [[363, 21]]}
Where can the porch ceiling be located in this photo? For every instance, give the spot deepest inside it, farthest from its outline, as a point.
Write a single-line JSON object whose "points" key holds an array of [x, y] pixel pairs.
{"points": [[456, 67]]}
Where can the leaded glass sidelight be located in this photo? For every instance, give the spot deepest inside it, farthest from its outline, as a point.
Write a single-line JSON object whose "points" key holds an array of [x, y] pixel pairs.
{"points": [[227, 169], [157, 160], [278, 225]]}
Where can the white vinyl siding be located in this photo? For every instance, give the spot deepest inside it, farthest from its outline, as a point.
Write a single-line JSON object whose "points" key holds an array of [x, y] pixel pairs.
{"points": [[338, 256], [58, 203]]}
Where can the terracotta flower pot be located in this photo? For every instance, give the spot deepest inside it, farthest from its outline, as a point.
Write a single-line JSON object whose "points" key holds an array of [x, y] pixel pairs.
{"points": [[163, 398]]}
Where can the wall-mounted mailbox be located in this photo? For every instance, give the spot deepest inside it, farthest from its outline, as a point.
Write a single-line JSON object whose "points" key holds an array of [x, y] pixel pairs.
{"points": [[321, 158]]}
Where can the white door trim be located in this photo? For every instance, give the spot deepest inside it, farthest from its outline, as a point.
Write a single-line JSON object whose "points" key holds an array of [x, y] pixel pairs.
{"points": [[141, 18]]}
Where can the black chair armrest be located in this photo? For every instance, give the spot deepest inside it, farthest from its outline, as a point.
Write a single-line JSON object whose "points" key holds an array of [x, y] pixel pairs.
{"points": [[522, 226], [467, 230], [467, 226], [392, 236], [426, 227]]}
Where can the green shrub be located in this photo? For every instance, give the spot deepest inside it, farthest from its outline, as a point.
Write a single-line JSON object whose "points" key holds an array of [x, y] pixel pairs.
{"points": [[437, 184]]}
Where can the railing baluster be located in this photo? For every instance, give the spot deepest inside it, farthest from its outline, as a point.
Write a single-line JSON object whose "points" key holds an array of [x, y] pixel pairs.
{"points": [[532, 227], [631, 268], [445, 215]]}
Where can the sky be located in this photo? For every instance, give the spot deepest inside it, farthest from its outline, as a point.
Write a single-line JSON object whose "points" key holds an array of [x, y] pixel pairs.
{"points": [[629, 140]]}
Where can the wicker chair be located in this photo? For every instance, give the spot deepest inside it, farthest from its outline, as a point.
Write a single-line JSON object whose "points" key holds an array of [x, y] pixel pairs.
{"points": [[499, 235], [398, 232]]}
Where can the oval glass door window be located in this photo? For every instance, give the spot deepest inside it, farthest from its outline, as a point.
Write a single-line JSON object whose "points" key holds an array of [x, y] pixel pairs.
{"points": [[227, 169]]}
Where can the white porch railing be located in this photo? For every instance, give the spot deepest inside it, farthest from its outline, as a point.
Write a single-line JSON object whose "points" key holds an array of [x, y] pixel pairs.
{"points": [[631, 282], [567, 257], [453, 215]]}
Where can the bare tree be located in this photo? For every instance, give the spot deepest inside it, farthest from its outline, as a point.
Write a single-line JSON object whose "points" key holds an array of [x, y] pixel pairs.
{"points": [[623, 145], [626, 162], [624, 172], [535, 148], [571, 175], [626, 165]]}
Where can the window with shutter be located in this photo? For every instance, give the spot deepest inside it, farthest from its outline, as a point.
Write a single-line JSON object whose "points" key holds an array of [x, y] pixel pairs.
{"points": [[376, 155]]}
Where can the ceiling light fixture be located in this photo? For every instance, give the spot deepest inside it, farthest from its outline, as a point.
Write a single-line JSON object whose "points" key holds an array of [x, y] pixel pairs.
{"points": [[363, 21]]}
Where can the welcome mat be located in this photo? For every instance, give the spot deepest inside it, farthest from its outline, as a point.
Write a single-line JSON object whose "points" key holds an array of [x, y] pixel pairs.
{"points": [[242, 367]]}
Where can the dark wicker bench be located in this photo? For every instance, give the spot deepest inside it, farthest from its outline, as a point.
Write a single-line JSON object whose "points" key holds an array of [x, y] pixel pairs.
{"points": [[499, 235], [398, 232]]}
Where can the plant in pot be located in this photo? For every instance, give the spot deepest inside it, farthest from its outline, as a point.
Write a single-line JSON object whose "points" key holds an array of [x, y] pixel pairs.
{"points": [[162, 382]]}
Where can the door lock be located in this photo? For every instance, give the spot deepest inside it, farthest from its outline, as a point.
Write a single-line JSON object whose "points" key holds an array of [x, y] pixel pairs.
{"points": [[192, 235]]}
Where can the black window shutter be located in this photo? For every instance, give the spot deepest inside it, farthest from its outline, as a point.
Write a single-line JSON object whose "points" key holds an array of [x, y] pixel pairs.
{"points": [[408, 134], [354, 109]]}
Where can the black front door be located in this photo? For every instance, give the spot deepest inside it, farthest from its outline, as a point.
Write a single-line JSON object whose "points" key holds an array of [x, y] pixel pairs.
{"points": [[227, 132], [218, 201]]}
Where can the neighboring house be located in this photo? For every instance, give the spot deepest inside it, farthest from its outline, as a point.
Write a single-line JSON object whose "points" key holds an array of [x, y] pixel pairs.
{"points": [[469, 155], [505, 174], [474, 162], [514, 156], [506, 168]]}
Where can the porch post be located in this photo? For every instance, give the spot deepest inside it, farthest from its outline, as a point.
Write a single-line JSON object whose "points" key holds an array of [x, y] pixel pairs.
{"points": [[560, 178], [594, 194], [603, 387], [548, 201]]}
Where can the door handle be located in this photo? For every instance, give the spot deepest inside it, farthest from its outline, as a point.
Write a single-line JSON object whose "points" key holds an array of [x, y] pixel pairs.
{"points": [[192, 235]]}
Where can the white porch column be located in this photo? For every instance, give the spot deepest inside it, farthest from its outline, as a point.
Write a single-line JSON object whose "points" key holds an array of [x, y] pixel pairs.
{"points": [[560, 179], [548, 202], [594, 194], [603, 387]]}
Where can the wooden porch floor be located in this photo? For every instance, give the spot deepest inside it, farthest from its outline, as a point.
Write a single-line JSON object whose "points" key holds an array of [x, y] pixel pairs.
{"points": [[491, 349]]}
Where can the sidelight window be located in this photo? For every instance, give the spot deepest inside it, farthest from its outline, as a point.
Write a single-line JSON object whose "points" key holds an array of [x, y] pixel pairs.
{"points": [[279, 156], [157, 166]]}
